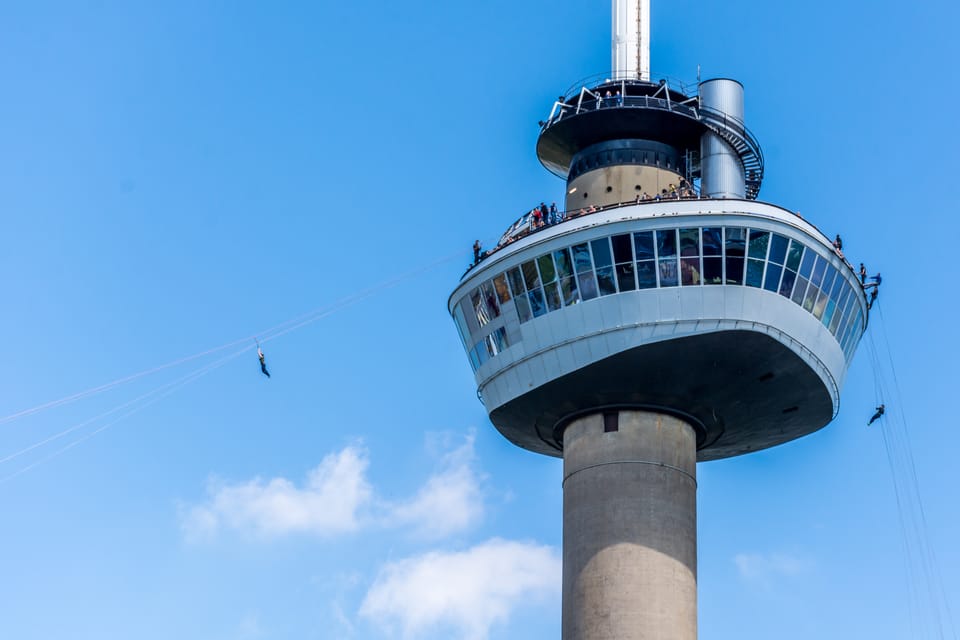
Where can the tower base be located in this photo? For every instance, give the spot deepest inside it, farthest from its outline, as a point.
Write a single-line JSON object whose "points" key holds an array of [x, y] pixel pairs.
{"points": [[629, 527]]}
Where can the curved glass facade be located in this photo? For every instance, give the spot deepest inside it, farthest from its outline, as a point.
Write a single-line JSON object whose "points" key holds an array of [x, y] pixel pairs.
{"points": [[680, 257]]}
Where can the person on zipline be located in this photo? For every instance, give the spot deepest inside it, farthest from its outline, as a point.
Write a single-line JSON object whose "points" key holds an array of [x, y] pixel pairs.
{"points": [[263, 364], [876, 416]]}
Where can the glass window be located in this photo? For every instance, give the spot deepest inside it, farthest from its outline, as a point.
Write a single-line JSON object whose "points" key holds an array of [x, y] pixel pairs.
{"points": [[516, 282], [712, 269], [625, 277], [474, 360], [758, 244], [581, 257], [837, 287], [778, 249], [810, 298], [820, 305], [605, 281], [481, 350], [690, 268], [569, 291], [799, 290], [643, 244], [666, 243], [530, 276], [547, 271], [461, 325], [794, 255], [712, 241], [646, 274], [588, 286], [601, 252], [562, 259], [523, 308], [469, 314], [479, 308], [772, 281], [552, 295], [735, 245], [537, 304], [754, 272], [828, 279], [807, 264], [828, 312], [786, 285], [490, 299], [500, 284], [668, 272], [621, 249], [818, 270]]}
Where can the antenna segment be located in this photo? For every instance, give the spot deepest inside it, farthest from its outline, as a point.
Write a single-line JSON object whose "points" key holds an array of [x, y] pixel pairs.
{"points": [[631, 39]]}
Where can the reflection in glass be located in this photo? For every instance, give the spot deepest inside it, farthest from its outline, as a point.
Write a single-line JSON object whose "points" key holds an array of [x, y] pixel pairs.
{"points": [[828, 312], [479, 308], [537, 304], [625, 277], [552, 295], [643, 244], [772, 281], [461, 325], [581, 257], [794, 255], [820, 305], [799, 290], [523, 308], [811, 296], [530, 276], [562, 260], [690, 271], [828, 279], [689, 242], [758, 244], [666, 243], [569, 291], [786, 285], [605, 281], [735, 245], [490, 299], [778, 249], [712, 268], [754, 273], [807, 264], [668, 272], [588, 286], [547, 271], [516, 282], [818, 271], [646, 274], [601, 252], [500, 284]]}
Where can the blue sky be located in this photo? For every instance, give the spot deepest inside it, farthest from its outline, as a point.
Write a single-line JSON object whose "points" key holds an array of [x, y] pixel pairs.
{"points": [[175, 176]]}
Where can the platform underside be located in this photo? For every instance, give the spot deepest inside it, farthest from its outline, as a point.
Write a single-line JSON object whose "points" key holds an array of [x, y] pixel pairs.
{"points": [[743, 390]]}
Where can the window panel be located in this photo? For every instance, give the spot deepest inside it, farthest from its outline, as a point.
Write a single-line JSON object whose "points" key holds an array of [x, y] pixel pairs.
{"points": [[481, 350], [646, 274], [668, 272], [818, 270], [689, 242], [735, 245], [605, 281], [588, 286], [530, 276], [490, 299], [778, 249], [569, 291], [820, 305], [754, 273], [621, 249], [523, 308], [479, 307], [666, 243], [712, 241], [690, 271], [838, 286], [552, 293], [810, 298], [772, 280], [461, 325], [469, 314], [562, 260], [547, 271], [474, 360], [643, 244], [500, 284], [758, 244], [516, 282], [537, 304], [581, 257], [712, 268], [799, 290], [794, 255], [625, 277], [806, 265], [786, 285], [828, 312], [828, 279], [601, 252]]}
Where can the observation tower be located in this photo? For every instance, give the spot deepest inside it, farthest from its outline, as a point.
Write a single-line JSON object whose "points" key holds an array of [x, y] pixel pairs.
{"points": [[668, 317]]}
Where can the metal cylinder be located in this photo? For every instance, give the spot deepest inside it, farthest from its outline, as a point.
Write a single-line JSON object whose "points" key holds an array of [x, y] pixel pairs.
{"points": [[722, 173], [629, 527], [631, 39]]}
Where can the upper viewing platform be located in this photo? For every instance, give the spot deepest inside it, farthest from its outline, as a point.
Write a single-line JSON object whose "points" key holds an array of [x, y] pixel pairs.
{"points": [[607, 108]]}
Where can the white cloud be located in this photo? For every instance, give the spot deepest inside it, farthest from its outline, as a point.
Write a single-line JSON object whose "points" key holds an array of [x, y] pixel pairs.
{"points": [[450, 501], [329, 502], [463, 593], [764, 567], [337, 498]]}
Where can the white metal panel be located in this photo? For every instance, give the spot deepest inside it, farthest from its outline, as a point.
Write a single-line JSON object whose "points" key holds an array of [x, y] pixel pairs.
{"points": [[631, 39]]}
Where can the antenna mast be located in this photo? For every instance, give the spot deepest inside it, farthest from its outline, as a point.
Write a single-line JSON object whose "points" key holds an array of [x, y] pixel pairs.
{"points": [[631, 39]]}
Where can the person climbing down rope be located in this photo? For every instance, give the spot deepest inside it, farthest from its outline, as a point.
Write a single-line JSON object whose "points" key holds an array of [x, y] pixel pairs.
{"points": [[876, 416], [263, 364]]}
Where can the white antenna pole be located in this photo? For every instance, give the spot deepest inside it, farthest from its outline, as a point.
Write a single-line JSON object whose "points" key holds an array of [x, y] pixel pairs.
{"points": [[631, 39]]}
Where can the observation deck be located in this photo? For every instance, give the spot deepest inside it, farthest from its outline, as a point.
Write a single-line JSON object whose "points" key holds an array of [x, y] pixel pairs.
{"points": [[605, 109], [736, 315]]}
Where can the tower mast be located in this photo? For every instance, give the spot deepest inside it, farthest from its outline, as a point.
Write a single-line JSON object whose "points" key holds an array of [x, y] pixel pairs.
{"points": [[631, 39]]}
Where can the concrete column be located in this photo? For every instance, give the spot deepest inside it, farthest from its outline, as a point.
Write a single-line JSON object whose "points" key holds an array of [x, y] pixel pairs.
{"points": [[629, 528]]}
